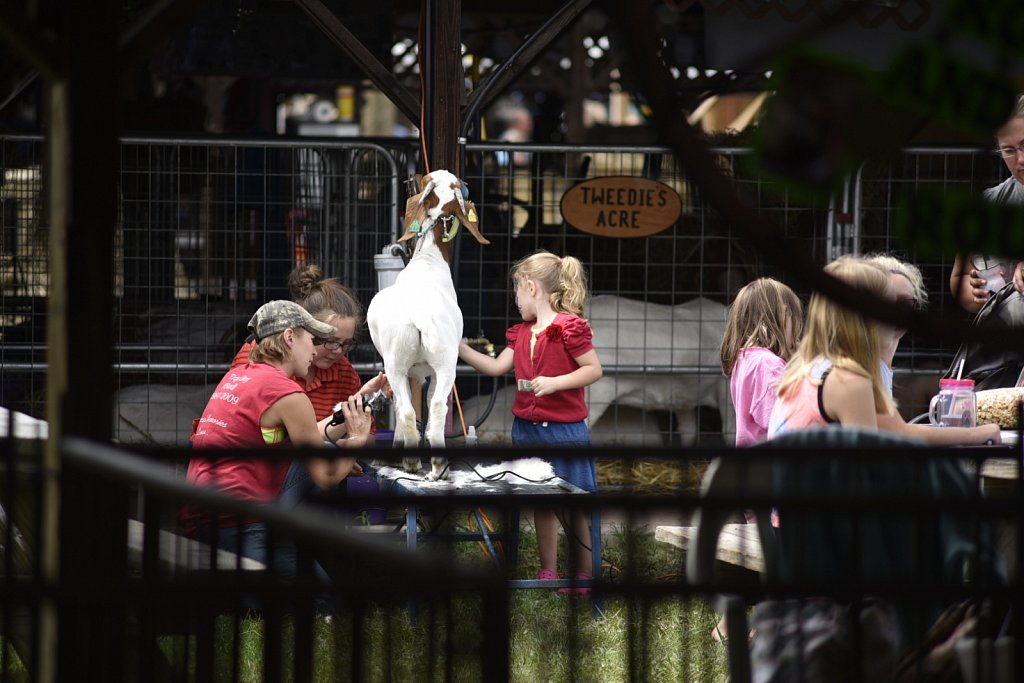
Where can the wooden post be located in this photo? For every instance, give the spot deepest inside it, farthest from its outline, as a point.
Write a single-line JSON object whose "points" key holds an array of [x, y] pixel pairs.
{"points": [[82, 175], [443, 98], [446, 89]]}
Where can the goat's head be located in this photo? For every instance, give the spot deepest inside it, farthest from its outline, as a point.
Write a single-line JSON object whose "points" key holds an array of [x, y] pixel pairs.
{"points": [[441, 208]]}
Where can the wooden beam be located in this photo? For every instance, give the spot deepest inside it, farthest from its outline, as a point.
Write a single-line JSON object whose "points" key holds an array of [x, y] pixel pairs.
{"points": [[531, 49], [746, 116], [30, 43], [22, 85], [159, 20], [698, 114], [445, 82], [357, 52], [81, 173]]}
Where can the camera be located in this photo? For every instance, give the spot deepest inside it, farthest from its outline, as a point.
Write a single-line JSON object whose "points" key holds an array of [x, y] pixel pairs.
{"points": [[373, 401]]}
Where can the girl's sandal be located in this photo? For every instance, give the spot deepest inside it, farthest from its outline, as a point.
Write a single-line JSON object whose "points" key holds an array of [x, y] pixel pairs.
{"points": [[581, 592]]}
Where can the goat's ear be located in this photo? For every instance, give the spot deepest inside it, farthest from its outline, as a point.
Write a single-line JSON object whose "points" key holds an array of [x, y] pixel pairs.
{"points": [[422, 180], [471, 221], [414, 213]]}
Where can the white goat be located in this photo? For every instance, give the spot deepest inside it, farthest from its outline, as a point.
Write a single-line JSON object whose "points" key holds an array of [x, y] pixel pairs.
{"points": [[416, 323], [669, 355]]}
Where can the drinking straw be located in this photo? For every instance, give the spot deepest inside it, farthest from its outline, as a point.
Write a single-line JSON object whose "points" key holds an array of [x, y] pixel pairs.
{"points": [[960, 370]]}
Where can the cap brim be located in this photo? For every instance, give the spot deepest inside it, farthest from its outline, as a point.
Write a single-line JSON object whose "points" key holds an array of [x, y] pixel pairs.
{"points": [[251, 327], [322, 332]]}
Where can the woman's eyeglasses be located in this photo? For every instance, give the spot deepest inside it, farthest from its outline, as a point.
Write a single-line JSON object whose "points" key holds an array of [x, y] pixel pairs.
{"points": [[345, 346], [1009, 152]]}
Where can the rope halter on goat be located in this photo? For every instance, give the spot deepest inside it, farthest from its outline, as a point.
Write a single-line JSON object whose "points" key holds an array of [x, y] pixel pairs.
{"points": [[440, 202]]}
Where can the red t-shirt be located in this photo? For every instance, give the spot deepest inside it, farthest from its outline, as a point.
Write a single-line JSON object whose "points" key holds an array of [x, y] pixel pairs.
{"points": [[555, 353], [328, 387], [232, 420]]}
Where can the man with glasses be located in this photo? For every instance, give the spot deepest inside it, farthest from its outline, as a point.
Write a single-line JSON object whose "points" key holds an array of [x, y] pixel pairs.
{"points": [[975, 277]]}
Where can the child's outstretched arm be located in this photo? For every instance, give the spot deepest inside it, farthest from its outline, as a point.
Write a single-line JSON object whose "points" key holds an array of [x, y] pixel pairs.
{"points": [[482, 363], [588, 372]]}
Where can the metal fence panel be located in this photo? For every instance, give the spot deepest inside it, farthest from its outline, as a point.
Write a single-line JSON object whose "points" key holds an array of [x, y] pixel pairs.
{"points": [[209, 229]]}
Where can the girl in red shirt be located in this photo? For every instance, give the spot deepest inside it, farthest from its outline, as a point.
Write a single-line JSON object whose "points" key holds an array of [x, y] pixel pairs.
{"points": [[554, 359]]}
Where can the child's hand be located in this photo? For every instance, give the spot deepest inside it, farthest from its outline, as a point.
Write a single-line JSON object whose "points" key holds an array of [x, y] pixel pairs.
{"points": [[378, 383], [542, 386]]}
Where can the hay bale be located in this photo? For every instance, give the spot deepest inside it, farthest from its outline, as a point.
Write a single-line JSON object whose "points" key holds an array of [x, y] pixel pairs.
{"points": [[651, 475]]}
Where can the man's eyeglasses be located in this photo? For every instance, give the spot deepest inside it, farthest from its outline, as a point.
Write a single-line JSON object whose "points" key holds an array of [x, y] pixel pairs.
{"points": [[1010, 152], [345, 346]]}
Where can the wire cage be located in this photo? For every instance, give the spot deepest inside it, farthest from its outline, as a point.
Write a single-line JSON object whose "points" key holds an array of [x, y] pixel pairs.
{"points": [[209, 230]]}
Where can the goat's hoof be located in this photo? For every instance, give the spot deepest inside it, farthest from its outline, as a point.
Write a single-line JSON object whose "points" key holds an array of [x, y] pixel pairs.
{"points": [[437, 476], [412, 465], [438, 469]]}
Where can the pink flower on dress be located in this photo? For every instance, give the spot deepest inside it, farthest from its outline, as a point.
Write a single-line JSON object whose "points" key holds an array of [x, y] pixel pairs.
{"points": [[554, 332]]}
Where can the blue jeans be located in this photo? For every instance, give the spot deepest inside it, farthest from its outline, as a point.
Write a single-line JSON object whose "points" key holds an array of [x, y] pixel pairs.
{"points": [[252, 540], [298, 485]]}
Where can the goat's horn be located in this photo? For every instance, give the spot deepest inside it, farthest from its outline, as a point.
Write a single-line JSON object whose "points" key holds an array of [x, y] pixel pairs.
{"points": [[458, 196], [427, 190]]}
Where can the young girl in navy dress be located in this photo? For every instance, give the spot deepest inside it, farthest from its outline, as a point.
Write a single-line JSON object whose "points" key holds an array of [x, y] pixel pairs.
{"points": [[554, 359]]}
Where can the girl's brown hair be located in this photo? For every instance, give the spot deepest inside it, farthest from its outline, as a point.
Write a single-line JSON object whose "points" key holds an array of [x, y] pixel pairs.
{"points": [[564, 279], [324, 298], [765, 313]]}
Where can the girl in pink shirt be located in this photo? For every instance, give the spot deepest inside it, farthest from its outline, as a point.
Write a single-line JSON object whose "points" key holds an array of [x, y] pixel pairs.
{"points": [[761, 334]]}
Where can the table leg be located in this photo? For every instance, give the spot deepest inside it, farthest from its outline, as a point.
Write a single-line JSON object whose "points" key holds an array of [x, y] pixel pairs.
{"points": [[487, 539], [411, 521], [596, 562], [512, 538], [411, 529]]}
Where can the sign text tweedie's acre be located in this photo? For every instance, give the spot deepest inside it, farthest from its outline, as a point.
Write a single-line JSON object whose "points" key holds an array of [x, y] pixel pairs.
{"points": [[621, 206]]}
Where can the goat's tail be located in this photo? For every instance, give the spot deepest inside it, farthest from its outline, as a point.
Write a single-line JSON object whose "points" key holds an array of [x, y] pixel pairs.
{"points": [[431, 327]]}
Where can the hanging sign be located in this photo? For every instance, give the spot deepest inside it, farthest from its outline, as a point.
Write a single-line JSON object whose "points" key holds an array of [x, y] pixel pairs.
{"points": [[621, 206]]}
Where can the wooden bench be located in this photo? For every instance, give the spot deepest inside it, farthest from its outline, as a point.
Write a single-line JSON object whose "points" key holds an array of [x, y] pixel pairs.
{"points": [[738, 544], [178, 553], [22, 426]]}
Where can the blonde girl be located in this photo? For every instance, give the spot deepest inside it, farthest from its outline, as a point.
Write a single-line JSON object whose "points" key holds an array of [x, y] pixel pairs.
{"points": [[553, 356], [834, 378], [761, 334]]}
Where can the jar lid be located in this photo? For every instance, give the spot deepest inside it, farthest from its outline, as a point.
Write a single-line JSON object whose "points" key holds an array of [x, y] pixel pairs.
{"points": [[956, 383]]}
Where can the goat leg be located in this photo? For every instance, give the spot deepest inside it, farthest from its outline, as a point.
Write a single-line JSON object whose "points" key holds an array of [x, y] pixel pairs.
{"points": [[438, 468]]}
